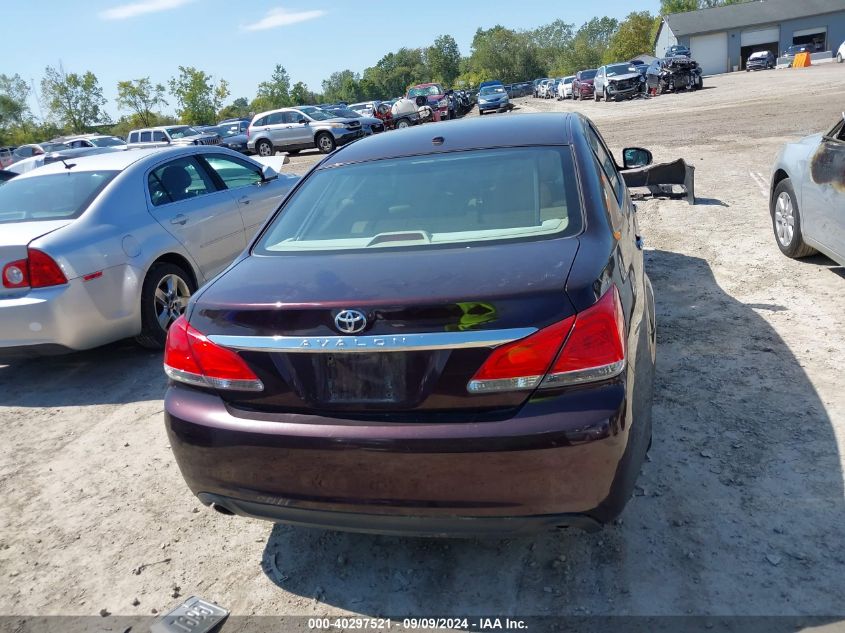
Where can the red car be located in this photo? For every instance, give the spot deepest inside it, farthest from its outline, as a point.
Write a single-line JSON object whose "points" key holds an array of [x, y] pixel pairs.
{"points": [[582, 85], [437, 99]]}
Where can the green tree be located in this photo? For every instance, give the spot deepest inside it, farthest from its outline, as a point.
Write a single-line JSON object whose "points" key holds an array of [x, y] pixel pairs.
{"points": [[14, 106], [551, 41], [238, 109], [74, 100], [198, 98], [396, 72], [678, 6], [500, 53], [343, 85], [300, 94], [274, 93], [444, 60], [634, 36], [588, 46], [142, 98]]}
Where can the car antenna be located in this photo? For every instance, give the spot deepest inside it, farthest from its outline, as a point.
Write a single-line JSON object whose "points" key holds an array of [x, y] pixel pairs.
{"points": [[66, 164]]}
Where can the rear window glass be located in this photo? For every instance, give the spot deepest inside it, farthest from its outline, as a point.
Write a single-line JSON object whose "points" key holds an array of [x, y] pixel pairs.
{"points": [[460, 197], [51, 196]]}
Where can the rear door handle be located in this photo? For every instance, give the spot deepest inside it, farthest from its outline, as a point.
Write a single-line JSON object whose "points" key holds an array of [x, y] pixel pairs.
{"points": [[179, 219], [243, 200]]}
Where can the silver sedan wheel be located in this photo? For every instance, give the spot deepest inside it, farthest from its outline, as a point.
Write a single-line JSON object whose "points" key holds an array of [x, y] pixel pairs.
{"points": [[171, 299], [265, 149], [785, 219]]}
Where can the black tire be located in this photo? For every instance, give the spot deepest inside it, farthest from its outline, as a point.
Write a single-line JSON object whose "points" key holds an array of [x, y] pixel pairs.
{"points": [[596, 96], [293, 152], [153, 335], [401, 124], [264, 148], [325, 142], [796, 248]]}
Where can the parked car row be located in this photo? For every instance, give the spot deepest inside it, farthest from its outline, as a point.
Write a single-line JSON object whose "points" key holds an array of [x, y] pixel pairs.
{"points": [[113, 243]]}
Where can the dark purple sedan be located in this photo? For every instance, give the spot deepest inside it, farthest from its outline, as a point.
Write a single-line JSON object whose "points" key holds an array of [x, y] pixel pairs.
{"points": [[439, 332]]}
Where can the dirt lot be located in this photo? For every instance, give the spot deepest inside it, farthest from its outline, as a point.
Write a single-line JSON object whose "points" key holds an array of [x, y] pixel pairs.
{"points": [[740, 509]]}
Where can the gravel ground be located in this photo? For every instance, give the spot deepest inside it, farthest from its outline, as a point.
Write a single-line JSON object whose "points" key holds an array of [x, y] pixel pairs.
{"points": [[739, 510]]}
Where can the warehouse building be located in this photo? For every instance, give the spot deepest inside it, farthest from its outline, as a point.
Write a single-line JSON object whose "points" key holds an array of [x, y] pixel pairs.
{"points": [[722, 38]]}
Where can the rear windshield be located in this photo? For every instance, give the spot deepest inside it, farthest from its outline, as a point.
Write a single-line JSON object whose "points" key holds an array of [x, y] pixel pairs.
{"points": [[52, 196], [424, 201]]}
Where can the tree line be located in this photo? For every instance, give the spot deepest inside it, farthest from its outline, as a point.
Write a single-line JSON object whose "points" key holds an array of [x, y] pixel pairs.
{"points": [[74, 102]]}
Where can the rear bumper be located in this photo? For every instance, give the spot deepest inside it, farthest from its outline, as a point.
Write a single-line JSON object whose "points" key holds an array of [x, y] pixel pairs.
{"points": [[401, 525], [552, 464], [75, 316]]}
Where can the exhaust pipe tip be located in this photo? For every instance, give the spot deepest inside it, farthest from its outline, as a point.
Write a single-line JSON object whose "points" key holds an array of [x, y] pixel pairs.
{"points": [[222, 509]]}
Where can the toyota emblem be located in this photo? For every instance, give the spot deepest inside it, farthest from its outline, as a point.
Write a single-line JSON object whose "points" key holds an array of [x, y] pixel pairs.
{"points": [[350, 321]]}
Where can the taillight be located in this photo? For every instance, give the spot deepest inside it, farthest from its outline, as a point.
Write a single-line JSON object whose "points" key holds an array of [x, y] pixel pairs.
{"points": [[585, 347], [38, 270], [191, 358], [248, 132]]}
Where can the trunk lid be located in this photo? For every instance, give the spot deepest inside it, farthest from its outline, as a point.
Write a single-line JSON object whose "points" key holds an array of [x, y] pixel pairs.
{"points": [[513, 288]]}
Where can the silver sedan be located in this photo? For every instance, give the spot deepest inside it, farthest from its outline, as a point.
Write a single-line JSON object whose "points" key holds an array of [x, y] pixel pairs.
{"points": [[808, 196], [100, 248]]}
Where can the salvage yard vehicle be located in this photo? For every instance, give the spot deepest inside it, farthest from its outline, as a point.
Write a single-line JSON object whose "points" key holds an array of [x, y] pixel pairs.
{"points": [[370, 124], [808, 196], [35, 149], [437, 98], [295, 129], [840, 54], [164, 135], [582, 85], [536, 89], [564, 87], [440, 338], [493, 99], [761, 60], [673, 74], [677, 50], [93, 140], [618, 81], [112, 246]]}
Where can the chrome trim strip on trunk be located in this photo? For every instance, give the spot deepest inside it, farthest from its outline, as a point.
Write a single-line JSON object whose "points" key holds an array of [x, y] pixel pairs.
{"points": [[387, 343]]}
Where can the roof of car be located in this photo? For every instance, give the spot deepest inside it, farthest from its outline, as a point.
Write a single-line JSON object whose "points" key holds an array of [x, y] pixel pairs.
{"points": [[552, 128], [112, 161]]}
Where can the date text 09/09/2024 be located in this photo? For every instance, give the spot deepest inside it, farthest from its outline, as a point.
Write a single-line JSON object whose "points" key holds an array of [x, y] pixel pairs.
{"points": [[465, 624]]}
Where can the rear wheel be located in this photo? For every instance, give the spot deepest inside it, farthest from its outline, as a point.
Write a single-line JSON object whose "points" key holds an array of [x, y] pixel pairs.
{"points": [[264, 148], [596, 96], [164, 297], [325, 142], [402, 124], [839, 58], [786, 221]]}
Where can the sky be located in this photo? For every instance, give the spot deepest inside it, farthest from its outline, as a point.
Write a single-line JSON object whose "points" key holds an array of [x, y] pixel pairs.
{"points": [[242, 41]]}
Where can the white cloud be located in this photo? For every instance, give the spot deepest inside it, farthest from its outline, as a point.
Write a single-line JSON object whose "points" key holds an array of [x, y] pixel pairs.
{"points": [[124, 11], [283, 17]]}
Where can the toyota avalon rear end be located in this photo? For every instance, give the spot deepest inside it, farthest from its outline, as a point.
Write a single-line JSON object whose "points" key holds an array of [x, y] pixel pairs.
{"points": [[443, 336]]}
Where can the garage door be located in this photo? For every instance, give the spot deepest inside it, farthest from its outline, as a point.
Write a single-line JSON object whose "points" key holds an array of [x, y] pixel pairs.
{"points": [[760, 36], [711, 52]]}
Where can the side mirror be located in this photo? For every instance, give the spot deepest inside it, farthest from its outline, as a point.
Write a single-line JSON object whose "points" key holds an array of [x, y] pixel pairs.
{"points": [[268, 173], [303, 121], [633, 157]]}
